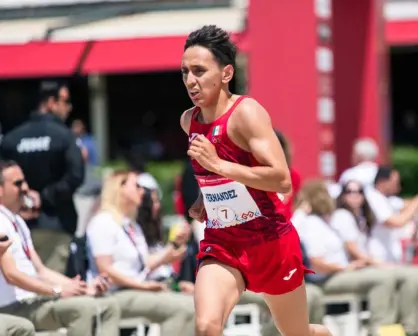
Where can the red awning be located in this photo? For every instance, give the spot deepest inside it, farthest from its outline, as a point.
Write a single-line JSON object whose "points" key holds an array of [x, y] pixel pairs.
{"points": [[401, 32], [137, 55], [143, 54], [40, 59]]}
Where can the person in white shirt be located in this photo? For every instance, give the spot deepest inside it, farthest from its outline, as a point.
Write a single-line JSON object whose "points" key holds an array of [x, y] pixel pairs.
{"points": [[118, 248], [149, 217], [391, 223], [31, 290], [334, 271], [364, 157], [353, 221], [12, 325]]}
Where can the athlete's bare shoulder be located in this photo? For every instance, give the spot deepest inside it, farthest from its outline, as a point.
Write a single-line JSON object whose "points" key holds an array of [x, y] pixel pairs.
{"points": [[248, 113], [185, 119]]}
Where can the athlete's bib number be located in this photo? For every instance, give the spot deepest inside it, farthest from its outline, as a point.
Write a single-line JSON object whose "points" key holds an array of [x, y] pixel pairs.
{"points": [[225, 214], [228, 203]]}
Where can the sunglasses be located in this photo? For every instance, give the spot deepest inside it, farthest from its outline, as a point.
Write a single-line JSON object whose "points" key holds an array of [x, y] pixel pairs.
{"points": [[19, 183]]}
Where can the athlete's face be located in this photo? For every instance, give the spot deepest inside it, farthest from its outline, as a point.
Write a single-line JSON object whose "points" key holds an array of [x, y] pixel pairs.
{"points": [[203, 76]]}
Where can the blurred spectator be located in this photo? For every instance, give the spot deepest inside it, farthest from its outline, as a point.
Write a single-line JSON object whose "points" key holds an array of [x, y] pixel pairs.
{"points": [[364, 157], [353, 221], [334, 272], [118, 247], [391, 223], [47, 152], [92, 182], [302, 206], [150, 219], [12, 325], [88, 143], [30, 289]]}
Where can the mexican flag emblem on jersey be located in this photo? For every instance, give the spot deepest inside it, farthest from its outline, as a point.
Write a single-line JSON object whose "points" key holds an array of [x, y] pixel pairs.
{"points": [[216, 131]]}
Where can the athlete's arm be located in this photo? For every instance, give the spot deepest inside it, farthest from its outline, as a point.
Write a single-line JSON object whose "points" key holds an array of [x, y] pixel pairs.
{"points": [[254, 132], [197, 210]]}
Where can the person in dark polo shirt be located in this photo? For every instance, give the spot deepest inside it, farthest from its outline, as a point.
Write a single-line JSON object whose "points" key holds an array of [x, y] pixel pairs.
{"points": [[50, 157]]}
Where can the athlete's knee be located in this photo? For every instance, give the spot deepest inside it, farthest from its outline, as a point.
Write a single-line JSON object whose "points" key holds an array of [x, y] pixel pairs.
{"points": [[206, 326], [319, 330]]}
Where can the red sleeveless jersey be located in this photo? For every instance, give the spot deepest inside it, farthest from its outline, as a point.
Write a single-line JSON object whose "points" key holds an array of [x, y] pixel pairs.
{"points": [[235, 212]]}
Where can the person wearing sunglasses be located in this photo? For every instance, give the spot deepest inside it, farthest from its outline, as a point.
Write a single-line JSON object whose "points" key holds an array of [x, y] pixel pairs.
{"points": [[49, 155], [31, 290], [355, 223], [13, 325], [118, 247]]}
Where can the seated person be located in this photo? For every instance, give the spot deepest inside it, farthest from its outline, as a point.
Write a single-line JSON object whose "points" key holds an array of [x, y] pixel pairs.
{"points": [[12, 325], [391, 224], [354, 222], [335, 273], [118, 248], [149, 218], [31, 290]]}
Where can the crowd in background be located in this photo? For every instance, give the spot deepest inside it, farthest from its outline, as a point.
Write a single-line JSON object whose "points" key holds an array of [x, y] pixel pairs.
{"points": [[352, 232]]}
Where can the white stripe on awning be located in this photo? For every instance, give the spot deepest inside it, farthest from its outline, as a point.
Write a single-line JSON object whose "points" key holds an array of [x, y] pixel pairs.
{"points": [[165, 23], [401, 10], [22, 31]]}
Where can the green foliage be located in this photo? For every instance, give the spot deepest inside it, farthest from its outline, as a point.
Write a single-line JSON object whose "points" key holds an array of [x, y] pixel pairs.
{"points": [[165, 173], [405, 159]]}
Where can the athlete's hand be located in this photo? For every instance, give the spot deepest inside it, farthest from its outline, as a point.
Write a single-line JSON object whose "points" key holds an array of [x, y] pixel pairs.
{"points": [[197, 210], [204, 152]]}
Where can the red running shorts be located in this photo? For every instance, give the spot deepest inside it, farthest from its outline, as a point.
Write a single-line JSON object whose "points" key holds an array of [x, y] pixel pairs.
{"points": [[273, 267]]}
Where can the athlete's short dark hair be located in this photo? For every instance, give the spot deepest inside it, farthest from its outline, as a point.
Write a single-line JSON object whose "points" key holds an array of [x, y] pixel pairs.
{"points": [[217, 41]]}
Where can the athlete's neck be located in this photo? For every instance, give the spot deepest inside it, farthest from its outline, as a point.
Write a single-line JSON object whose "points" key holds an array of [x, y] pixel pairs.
{"points": [[221, 106]]}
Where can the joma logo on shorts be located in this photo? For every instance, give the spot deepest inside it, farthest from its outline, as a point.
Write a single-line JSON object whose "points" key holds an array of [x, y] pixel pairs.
{"points": [[222, 196]]}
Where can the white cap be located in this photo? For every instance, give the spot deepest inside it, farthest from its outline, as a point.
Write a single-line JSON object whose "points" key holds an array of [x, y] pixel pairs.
{"points": [[146, 180]]}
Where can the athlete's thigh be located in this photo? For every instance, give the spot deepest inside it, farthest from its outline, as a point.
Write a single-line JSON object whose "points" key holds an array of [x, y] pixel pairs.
{"points": [[217, 290], [290, 312]]}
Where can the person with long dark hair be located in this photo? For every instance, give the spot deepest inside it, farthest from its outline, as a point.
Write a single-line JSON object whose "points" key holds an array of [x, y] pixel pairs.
{"points": [[149, 218], [354, 221]]}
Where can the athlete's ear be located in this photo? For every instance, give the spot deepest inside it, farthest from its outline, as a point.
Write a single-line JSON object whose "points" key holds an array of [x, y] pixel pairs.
{"points": [[227, 74]]}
